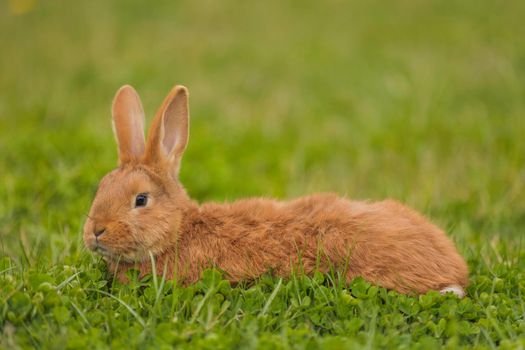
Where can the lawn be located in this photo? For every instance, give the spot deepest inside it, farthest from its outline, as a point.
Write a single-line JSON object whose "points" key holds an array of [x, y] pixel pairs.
{"points": [[421, 101]]}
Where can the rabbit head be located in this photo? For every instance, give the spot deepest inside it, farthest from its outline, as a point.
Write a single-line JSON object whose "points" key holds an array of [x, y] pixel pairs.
{"points": [[138, 207]]}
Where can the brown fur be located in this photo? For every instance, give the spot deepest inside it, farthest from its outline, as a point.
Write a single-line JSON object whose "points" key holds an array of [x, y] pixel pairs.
{"points": [[384, 242]]}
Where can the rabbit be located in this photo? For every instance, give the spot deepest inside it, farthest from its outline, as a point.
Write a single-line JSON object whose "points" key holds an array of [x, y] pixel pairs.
{"points": [[141, 214]]}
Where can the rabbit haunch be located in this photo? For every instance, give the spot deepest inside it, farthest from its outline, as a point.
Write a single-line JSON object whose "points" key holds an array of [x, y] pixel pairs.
{"points": [[384, 242]]}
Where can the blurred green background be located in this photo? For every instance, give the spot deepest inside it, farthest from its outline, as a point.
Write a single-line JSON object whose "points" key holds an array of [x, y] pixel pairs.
{"points": [[422, 101]]}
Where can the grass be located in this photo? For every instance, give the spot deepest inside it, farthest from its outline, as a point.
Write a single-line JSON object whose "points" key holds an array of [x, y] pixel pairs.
{"points": [[419, 101]]}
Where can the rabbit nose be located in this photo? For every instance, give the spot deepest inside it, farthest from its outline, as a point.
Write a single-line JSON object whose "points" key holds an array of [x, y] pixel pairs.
{"points": [[98, 231]]}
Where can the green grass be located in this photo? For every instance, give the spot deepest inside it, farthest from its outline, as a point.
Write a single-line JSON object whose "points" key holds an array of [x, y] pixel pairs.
{"points": [[419, 101]]}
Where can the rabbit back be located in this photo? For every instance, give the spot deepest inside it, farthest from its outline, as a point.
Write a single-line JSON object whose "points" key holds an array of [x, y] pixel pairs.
{"points": [[384, 242]]}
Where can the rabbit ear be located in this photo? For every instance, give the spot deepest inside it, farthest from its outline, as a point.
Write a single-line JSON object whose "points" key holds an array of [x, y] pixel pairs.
{"points": [[128, 124], [168, 136]]}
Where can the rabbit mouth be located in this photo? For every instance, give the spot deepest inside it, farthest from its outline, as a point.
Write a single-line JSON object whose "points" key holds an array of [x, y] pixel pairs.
{"points": [[102, 251], [105, 252], [108, 254]]}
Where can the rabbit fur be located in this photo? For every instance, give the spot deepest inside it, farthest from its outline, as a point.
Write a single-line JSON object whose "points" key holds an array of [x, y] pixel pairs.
{"points": [[385, 242]]}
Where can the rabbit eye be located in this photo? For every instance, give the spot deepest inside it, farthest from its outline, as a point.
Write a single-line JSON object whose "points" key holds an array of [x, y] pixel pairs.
{"points": [[141, 200]]}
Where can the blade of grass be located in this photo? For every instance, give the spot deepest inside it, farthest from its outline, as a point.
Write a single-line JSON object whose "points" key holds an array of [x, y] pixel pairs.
{"points": [[123, 303], [270, 299]]}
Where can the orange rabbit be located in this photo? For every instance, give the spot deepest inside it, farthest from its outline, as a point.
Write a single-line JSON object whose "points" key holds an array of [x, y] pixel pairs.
{"points": [[141, 209]]}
